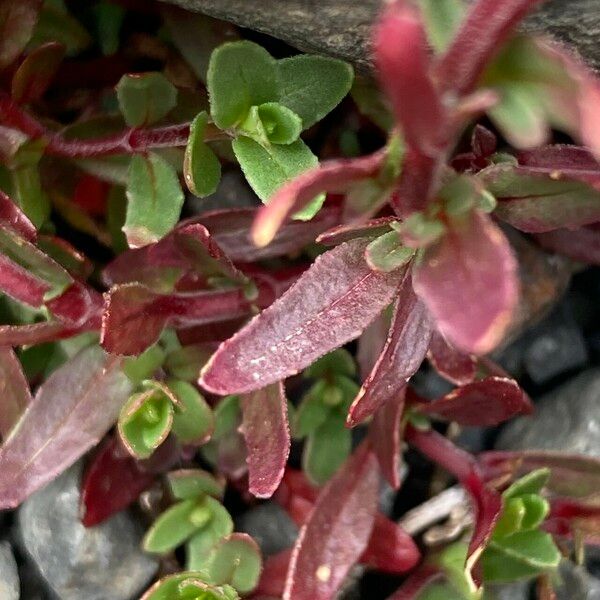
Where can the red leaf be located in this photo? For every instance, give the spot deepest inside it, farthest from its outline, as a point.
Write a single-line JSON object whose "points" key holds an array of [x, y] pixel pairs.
{"points": [[347, 232], [483, 403], [469, 282], [39, 333], [329, 305], [112, 481], [385, 436], [487, 26], [231, 229], [70, 413], [20, 284], [331, 176], [187, 249], [267, 433], [457, 367], [337, 532], [15, 395], [12, 217], [272, 578], [77, 305], [487, 503], [565, 158], [402, 59], [134, 316], [371, 343], [580, 244], [403, 353], [390, 548]]}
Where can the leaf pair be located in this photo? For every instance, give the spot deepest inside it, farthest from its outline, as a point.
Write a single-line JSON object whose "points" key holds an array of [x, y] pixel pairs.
{"points": [[201, 521], [321, 416], [150, 415], [266, 104]]}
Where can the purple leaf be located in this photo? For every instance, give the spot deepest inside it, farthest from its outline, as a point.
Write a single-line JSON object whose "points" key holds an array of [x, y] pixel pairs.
{"points": [[386, 438], [134, 315], [267, 433], [402, 355], [487, 26], [371, 343], [487, 503], [329, 305], [337, 532], [15, 395], [231, 229], [331, 176], [417, 582], [483, 403], [579, 244], [188, 249], [12, 217], [112, 481], [39, 333], [344, 233], [70, 413], [537, 200], [469, 282], [402, 60], [390, 548], [565, 159], [455, 366]]}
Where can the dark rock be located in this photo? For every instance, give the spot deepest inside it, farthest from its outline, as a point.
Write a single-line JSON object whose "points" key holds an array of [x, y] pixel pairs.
{"points": [[342, 28], [233, 192], [9, 577], [566, 419], [510, 591], [95, 563], [270, 526], [576, 583]]}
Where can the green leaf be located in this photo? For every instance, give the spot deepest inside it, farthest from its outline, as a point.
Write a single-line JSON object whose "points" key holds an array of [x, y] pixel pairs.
{"points": [[185, 363], [513, 513], [189, 585], [339, 362], [312, 86], [145, 98], [326, 449], [154, 199], [236, 561], [187, 484], [442, 20], [145, 422], [440, 591], [240, 75], [200, 546], [55, 24], [386, 253], [536, 510], [109, 20], [174, 526], [201, 167], [532, 483], [30, 196], [228, 416], [141, 367], [521, 555], [18, 22], [312, 412], [193, 421], [372, 103], [116, 209], [452, 560], [272, 123], [268, 169]]}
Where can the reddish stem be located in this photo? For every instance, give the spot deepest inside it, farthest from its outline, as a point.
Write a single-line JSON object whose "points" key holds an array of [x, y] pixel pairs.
{"points": [[129, 141]]}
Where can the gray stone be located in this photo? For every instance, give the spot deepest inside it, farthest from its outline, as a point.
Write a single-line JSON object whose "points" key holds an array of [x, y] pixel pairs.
{"points": [[576, 583], [97, 563], [342, 28], [518, 590], [233, 192], [9, 577], [566, 419], [270, 526]]}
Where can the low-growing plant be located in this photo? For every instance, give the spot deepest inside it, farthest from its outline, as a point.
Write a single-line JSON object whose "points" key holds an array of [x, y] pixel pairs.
{"points": [[403, 249]]}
